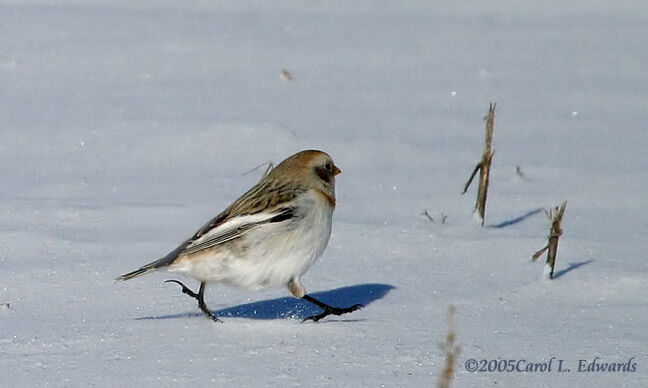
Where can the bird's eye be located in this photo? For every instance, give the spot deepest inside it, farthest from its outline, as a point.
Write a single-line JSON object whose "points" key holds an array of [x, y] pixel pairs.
{"points": [[329, 167]]}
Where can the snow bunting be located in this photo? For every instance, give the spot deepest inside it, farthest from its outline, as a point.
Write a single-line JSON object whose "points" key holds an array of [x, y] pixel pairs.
{"points": [[270, 236]]}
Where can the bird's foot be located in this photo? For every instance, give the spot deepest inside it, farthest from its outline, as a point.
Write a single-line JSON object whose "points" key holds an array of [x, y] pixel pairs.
{"points": [[185, 289], [333, 311], [329, 310], [199, 297]]}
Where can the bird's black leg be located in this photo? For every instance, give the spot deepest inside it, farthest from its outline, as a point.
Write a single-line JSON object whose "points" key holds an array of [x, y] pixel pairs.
{"points": [[200, 297], [328, 310]]}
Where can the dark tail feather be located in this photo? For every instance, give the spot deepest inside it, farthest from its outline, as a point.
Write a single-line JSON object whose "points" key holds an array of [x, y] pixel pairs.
{"points": [[136, 273], [163, 262]]}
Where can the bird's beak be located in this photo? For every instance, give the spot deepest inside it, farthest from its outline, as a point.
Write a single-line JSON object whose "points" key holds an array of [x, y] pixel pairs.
{"points": [[336, 171]]}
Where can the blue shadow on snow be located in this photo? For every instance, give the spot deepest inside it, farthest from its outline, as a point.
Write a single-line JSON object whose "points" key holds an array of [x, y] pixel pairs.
{"points": [[517, 219], [572, 266], [293, 308]]}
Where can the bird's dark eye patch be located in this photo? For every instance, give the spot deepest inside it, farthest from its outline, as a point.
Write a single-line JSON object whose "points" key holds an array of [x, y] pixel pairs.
{"points": [[329, 167], [324, 174]]}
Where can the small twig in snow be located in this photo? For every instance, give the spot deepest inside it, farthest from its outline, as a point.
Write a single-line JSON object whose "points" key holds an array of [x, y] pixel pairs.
{"points": [[285, 75], [428, 215], [451, 351], [518, 171]]}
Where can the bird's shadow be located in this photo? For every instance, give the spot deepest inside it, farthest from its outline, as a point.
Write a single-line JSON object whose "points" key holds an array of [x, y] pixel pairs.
{"points": [[289, 307], [516, 219], [572, 266]]}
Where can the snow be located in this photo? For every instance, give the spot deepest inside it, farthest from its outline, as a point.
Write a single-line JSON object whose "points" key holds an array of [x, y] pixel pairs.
{"points": [[126, 125]]}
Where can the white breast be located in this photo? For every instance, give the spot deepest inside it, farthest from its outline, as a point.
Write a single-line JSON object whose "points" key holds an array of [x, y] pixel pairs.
{"points": [[270, 255]]}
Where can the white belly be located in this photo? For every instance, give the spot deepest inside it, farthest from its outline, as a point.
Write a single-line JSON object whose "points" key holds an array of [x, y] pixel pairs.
{"points": [[270, 255]]}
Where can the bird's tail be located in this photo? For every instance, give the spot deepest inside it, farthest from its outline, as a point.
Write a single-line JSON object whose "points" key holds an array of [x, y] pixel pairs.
{"points": [[138, 272], [162, 262]]}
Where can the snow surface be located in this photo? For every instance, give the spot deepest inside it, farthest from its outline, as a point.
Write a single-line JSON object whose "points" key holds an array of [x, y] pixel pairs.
{"points": [[126, 125]]}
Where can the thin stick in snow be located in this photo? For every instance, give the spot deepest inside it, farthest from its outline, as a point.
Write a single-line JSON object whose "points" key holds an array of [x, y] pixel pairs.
{"points": [[555, 216], [484, 166], [429, 216], [451, 351]]}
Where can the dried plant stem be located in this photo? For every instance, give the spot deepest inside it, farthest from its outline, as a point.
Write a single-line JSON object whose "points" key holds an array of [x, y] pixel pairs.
{"points": [[555, 216], [451, 351], [484, 166]]}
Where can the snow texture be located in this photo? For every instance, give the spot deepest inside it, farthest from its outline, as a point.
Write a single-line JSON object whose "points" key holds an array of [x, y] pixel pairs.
{"points": [[126, 125]]}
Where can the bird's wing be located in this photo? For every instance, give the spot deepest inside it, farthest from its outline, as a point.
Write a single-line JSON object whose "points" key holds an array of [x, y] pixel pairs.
{"points": [[230, 228], [247, 212]]}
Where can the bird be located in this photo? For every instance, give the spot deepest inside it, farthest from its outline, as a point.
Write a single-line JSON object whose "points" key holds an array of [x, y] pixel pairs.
{"points": [[270, 236]]}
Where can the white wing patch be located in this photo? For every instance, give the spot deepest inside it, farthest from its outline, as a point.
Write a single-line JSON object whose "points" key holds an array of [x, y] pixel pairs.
{"points": [[231, 229]]}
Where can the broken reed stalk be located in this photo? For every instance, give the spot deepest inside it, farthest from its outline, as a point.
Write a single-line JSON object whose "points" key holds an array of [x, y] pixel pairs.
{"points": [[451, 351], [555, 216], [484, 166]]}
